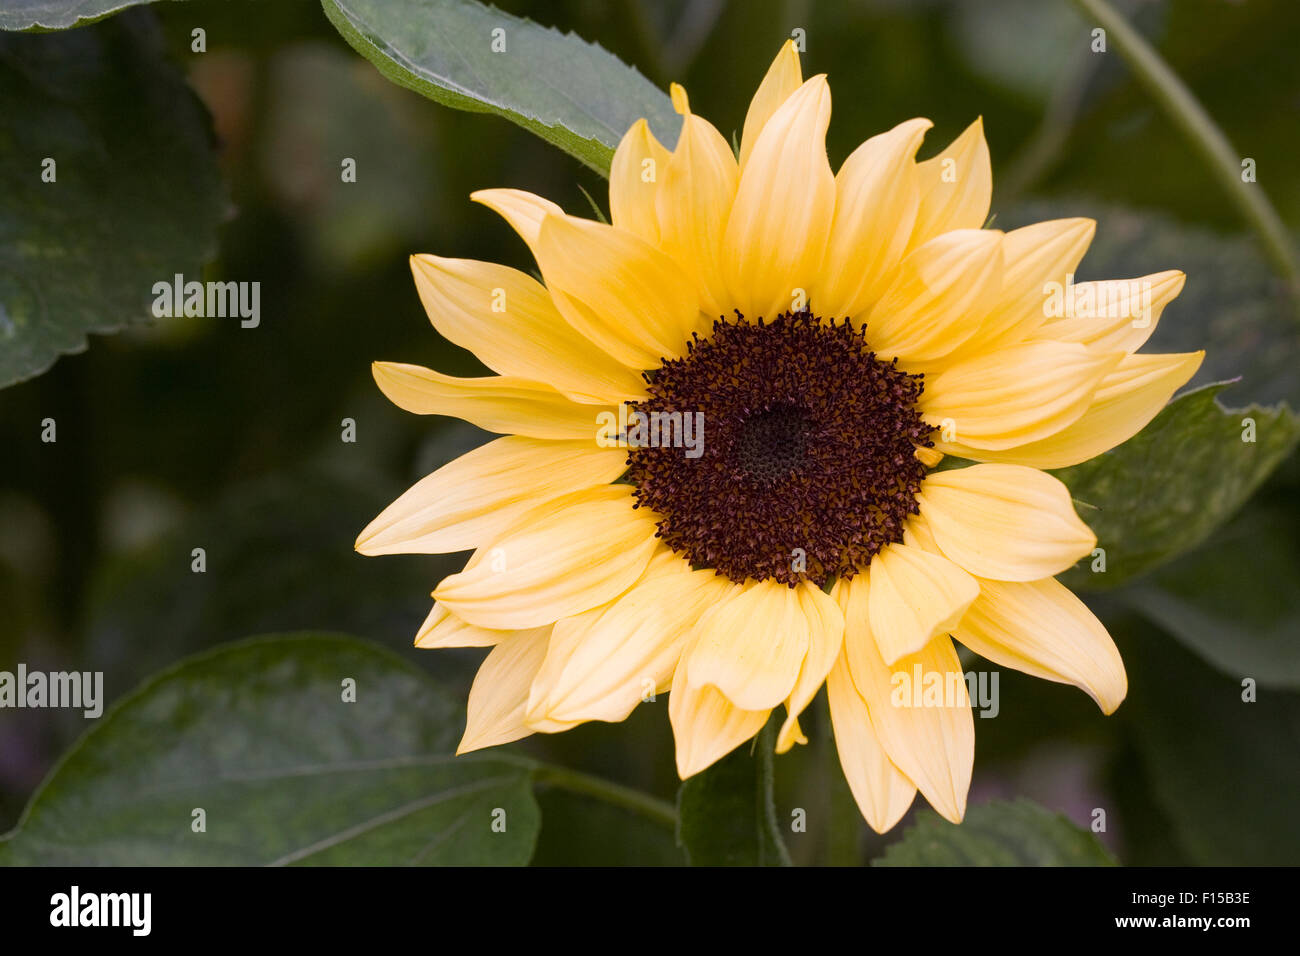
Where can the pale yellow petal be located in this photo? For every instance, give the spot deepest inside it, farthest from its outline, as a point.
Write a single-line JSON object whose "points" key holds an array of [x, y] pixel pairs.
{"points": [[524, 211], [997, 400], [751, 646], [783, 77], [444, 629], [508, 320], [634, 177], [876, 198], [937, 297], [916, 595], [497, 403], [629, 298], [919, 707], [1114, 315], [495, 712], [1125, 402], [825, 638], [603, 663], [783, 209], [1040, 628], [882, 792], [1033, 257], [693, 206], [476, 497], [706, 725], [559, 559], [1006, 522], [956, 187]]}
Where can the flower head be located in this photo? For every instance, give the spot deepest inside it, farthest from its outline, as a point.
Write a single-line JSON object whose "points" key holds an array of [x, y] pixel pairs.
{"points": [[724, 415]]}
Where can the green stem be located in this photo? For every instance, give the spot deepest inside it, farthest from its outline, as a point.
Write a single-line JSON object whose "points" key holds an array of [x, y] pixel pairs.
{"points": [[1182, 107], [652, 808]]}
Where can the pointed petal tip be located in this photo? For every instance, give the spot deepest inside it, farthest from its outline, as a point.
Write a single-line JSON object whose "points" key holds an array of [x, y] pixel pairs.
{"points": [[681, 102]]}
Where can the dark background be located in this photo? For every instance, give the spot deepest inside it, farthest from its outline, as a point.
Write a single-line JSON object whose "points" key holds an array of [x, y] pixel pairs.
{"points": [[197, 433]]}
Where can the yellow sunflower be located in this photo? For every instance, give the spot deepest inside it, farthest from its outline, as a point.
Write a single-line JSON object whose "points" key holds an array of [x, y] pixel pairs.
{"points": [[722, 416]]}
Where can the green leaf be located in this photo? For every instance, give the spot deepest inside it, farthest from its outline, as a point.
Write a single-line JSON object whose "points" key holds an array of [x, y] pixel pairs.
{"points": [[578, 830], [571, 93], [1226, 771], [1168, 487], [136, 196], [1234, 601], [1000, 833], [59, 14], [727, 815], [258, 735]]}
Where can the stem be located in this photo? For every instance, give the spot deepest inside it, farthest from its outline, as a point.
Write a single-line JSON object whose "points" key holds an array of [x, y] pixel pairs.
{"points": [[652, 808], [1182, 107]]}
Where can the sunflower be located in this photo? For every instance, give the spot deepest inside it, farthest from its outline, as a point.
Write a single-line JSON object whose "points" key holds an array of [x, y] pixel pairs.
{"points": [[855, 388]]}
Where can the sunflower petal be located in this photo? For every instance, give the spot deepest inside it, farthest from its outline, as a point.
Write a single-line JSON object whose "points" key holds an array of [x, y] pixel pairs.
{"points": [[444, 629], [1040, 628], [1114, 315], [783, 77], [783, 208], [634, 177], [524, 211], [508, 320], [916, 595], [919, 707], [497, 403], [601, 664], [1127, 399], [825, 638], [625, 295], [495, 712], [478, 495], [706, 725], [1006, 522], [882, 793], [937, 297], [956, 187], [876, 198], [559, 559], [694, 204], [751, 646], [1034, 256], [1001, 399]]}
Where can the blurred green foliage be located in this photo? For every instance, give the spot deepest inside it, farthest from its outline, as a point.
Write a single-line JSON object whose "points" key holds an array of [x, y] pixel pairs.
{"points": [[197, 433]]}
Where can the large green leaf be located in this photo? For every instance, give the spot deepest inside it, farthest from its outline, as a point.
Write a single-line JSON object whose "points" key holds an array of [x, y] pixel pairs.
{"points": [[58, 14], [569, 92], [726, 814], [1225, 770], [1234, 600], [1168, 487], [259, 736], [1000, 833], [136, 197], [579, 830]]}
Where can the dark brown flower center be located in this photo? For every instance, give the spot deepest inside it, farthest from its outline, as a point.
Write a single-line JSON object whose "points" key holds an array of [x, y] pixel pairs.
{"points": [[807, 467]]}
